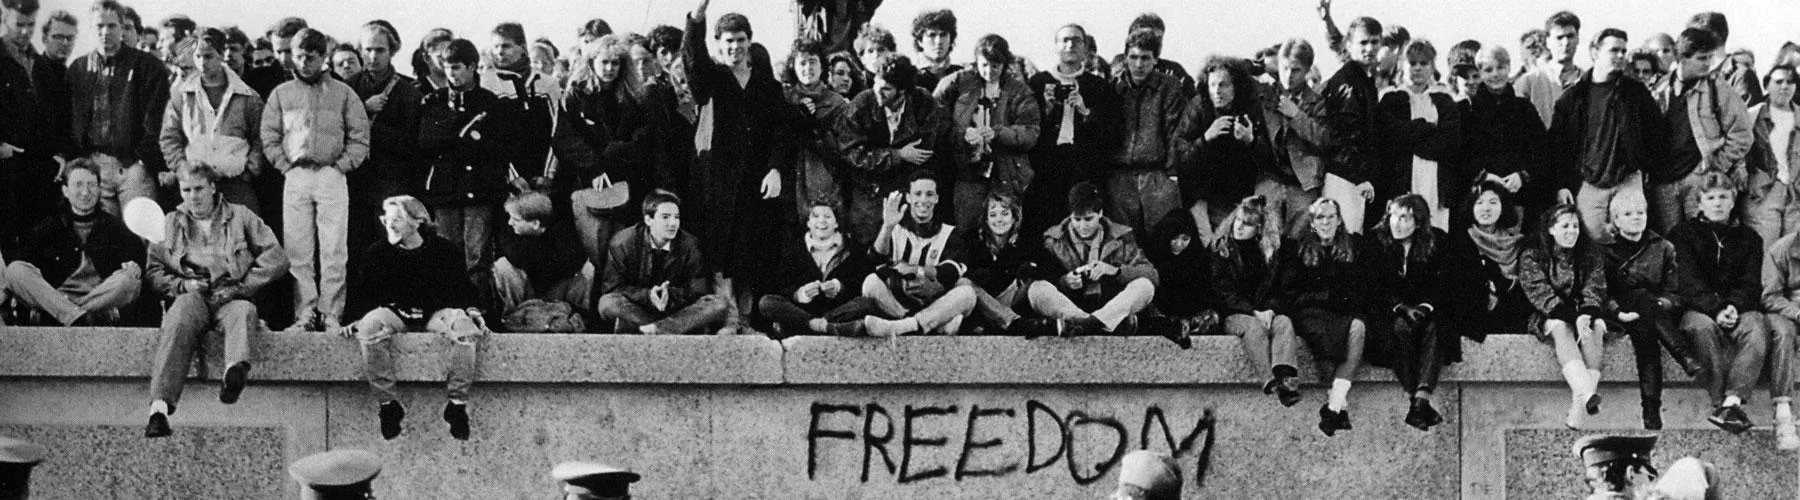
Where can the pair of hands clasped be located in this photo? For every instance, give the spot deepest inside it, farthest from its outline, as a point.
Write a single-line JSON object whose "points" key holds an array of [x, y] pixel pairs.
{"points": [[811, 291], [1092, 271]]}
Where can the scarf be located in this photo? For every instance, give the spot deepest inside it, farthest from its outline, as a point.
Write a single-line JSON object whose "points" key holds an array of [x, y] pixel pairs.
{"points": [[823, 250], [1066, 134], [1501, 246]]}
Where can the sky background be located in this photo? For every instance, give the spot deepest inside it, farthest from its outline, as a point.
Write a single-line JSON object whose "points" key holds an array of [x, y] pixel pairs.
{"points": [[1197, 28]]}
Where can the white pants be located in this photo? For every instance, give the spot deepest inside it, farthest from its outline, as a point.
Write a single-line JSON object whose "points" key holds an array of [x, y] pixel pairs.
{"points": [[315, 207], [1351, 203]]}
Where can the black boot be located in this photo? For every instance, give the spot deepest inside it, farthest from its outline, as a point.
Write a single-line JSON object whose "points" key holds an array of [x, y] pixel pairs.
{"points": [[1652, 415], [391, 416], [457, 415], [1332, 421], [1422, 416], [158, 426], [233, 385]]}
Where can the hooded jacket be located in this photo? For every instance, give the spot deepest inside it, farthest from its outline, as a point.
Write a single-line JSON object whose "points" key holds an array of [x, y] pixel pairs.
{"points": [[225, 138]]}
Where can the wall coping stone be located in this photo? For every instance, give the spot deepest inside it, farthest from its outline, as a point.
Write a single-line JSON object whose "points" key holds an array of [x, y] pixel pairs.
{"points": [[756, 360]]}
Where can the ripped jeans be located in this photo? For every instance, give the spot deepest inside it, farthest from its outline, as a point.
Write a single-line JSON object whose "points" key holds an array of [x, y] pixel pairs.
{"points": [[376, 331]]}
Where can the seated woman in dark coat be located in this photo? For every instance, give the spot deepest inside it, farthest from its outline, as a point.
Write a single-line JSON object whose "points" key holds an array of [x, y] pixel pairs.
{"points": [[1484, 274], [1003, 264], [818, 291], [1319, 283], [1181, 255], [1408, 259], [1564, 275]]}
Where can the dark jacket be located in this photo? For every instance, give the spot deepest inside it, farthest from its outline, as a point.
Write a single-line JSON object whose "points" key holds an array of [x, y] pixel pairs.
{"points": [[1406, 137], [1243, 280], [748, 138], [1631, 128], [393, 140], [1335, 286], [1470, 281], [630, 270], [547, 258], [1097, 134], [1646, 268], [1025, 259], [1187, 278], [1503, 135], [1399, 278], [265, 79], [1015, 118], [120, 115], [671, 147], [418, 281], [464, 164], [1349, 111], [1563, 284], [602, 131], [56, 249], [1720, 265], [1152, 113], [1163, 66], [37, 109], [873, 152], [849, 267], [1223, 170]]}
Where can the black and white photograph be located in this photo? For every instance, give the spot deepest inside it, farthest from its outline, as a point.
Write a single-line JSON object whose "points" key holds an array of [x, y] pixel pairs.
{"points": [[899, 249]]}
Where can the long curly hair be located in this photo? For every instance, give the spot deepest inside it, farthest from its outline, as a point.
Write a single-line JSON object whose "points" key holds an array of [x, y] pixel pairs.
{"points": [[1250, 210], [610, 47], [1425, 243]]}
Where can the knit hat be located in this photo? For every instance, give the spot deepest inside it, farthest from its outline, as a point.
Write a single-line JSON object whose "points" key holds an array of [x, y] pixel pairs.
{"points": [[1155, 472]]}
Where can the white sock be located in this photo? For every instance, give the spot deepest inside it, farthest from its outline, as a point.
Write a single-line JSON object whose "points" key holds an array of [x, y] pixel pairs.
{"points": [[1593, 381], [461, 402], [1732, 401], [1576, 373], [159, 406], [1340, 395], [1784, 410]]}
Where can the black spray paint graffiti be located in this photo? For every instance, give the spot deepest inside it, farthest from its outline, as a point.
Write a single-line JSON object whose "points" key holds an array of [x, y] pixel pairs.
{"points": [[877, 438]]}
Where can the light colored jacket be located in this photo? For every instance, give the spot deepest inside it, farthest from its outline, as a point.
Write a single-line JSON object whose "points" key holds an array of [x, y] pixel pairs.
{"points": [[1721, 125], [224, 138], [1781, 279], [235, 249], [318, 124]]}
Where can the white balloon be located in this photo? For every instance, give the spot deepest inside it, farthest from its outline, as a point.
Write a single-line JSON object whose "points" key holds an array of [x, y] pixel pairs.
{"points": [[145, 219]]}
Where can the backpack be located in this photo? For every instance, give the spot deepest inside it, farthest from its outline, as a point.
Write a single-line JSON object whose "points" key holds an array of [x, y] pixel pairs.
{"points": [[539, 316]]}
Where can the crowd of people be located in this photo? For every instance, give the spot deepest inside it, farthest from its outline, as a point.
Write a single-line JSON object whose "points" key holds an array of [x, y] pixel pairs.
{"points": [[686, 182]]}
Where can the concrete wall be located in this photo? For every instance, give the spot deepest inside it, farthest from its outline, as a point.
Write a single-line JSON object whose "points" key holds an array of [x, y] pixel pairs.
{"points": [[824, 418]]}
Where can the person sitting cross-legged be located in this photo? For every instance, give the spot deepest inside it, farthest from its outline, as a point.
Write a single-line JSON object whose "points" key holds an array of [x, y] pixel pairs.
{"points": [[653, 281], [82, 265], [415, 280], [922, 283], [538, 258], [815, 275], [1104, 280], [214, 258]]}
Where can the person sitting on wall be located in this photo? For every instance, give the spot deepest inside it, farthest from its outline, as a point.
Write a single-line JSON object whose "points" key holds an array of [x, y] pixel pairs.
{"points": [[414, 280], [538, 258], [922, 283], [653, 282], [94, 261], [1103, 278], [1003, 263], [214, 259], [812, 297]]}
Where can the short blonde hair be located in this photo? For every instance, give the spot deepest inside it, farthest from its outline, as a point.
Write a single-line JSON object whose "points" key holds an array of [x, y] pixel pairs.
{"points": [[413, 208]]}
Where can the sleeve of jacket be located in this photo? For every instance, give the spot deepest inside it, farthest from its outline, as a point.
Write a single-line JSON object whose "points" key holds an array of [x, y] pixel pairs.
{"points": [[1308, 126], [1593, 284], [1695, 292], [1746, 283], [697, 61], [1174, 111], [1355, 138], [1563, 154], [356, 133], [1655, 133], [1022, 134], [1534, 277], [1734, 124], [951, 265], [272, 131], [162, 272], [271, 261], [1775, 272], [620, 275], [397, 134], [1104, 126], [149, 147], [255, 161], [1227, 280], [1133, 264], [858, 149], [1184, 144], [696, 284], [80, 99], [173, 138], [1441, 141]]}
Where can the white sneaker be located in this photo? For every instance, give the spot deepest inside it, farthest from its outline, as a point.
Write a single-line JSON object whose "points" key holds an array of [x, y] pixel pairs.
{"points": [[1786, 439], [1577, 411]]}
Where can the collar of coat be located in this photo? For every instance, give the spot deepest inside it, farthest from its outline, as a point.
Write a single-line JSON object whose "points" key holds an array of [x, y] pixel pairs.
{"points": [[233, 84]]}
